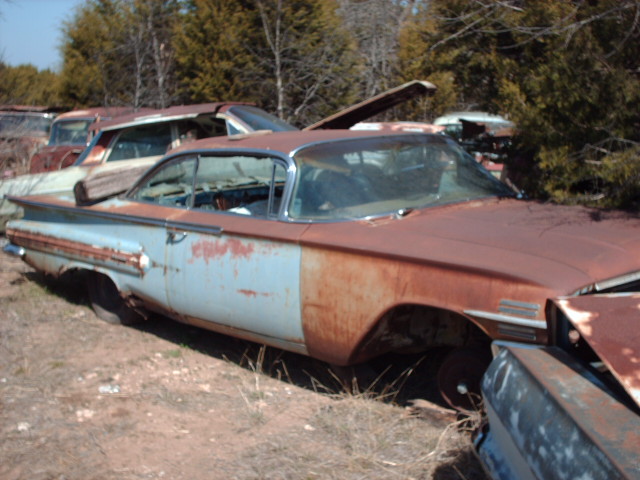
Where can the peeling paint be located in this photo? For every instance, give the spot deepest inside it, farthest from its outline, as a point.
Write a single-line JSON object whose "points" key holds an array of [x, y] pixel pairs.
{"points": [[253, 293], [215, 249]]}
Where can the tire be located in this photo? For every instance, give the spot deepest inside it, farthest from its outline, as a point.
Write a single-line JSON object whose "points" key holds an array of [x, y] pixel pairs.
{"points": [[460, 376], [106, 301]]}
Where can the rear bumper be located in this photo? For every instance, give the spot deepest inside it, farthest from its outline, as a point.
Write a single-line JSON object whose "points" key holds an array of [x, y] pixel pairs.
{"points": [[13, 250]]}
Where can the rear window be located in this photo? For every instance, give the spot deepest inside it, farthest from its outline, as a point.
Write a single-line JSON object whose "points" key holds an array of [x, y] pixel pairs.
{"points": [[260, 120], [141, 141]]}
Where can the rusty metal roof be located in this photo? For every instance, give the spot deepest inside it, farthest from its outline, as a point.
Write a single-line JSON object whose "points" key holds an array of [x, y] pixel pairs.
{"points": [[284, 142], [162, 115], [105, 112]]}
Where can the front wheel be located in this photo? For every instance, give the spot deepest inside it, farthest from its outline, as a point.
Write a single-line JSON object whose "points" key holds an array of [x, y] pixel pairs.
{"points": [[106, 301], [460, 376]]}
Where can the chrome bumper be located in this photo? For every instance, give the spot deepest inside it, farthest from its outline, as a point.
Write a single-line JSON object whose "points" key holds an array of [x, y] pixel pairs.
{"points": [[13, 250]]}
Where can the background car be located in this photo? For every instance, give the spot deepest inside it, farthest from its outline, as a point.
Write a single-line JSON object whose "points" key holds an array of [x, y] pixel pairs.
{"points": [[454, 124], [23, 131], [69, 136]]}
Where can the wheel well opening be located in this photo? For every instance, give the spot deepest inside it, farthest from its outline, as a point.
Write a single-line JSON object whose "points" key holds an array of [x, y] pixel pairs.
{"points": [[417, 328]]}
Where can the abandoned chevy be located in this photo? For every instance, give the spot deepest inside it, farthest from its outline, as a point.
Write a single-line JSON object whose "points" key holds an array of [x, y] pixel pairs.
{"points": [[341, 245]]}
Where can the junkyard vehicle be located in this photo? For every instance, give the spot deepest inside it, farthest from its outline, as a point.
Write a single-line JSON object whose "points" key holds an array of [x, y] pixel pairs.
{"points": [[23, 131], [399, 126], [341, 245], [137, 141], [69, 137], [485, 136], [570, 409], [135, 136], [476, 123]]}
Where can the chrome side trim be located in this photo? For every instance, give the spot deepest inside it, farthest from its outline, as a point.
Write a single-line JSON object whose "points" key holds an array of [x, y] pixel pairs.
{"points": [[497, 317], [192, 227], [607, 284], [14, 250], [513, 303], [524, 333], [614, 282], [519, 308], [139, 220]]}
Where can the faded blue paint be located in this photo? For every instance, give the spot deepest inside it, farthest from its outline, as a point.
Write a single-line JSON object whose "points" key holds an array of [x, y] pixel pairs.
{"points": [[246, 283], [243, 283]]}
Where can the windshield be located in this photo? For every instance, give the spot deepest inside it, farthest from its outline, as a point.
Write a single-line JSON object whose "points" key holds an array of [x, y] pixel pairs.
{"points": [[259, 119], [379, 175], [22, 125], [70, 132]]}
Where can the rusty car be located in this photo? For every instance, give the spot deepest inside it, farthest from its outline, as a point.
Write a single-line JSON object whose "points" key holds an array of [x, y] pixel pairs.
{"points": [[24, 130], [341, 245], [70, 134], [569, 409]]}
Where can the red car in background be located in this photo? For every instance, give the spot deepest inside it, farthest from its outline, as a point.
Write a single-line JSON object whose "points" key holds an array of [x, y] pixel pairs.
{"points": [[69, 137], [23, 131]]}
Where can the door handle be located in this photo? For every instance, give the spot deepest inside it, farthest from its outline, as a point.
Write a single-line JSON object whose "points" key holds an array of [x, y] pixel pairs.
{"points": [[175, 237]]}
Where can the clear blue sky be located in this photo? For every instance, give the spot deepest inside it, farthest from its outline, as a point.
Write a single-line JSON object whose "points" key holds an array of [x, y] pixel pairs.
{"points": [[30, 31]]}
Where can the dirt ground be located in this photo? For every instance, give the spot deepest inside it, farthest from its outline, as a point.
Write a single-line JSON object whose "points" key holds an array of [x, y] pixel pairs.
{"points": [[84, 400]]}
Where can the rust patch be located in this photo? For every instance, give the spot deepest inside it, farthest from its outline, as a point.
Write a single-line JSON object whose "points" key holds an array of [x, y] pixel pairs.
{"points": [[253, 293], [211, 250], [248, 293], [343, 296]]}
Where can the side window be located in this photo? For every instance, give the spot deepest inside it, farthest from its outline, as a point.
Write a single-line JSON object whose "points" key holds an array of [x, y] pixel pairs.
{"points": [[232, 128], [244, 185], [204, 126], [141, 141], [171, 185]]}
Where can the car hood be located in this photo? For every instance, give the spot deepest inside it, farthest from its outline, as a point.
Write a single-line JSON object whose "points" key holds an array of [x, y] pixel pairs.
{"points": [[562, 248]]}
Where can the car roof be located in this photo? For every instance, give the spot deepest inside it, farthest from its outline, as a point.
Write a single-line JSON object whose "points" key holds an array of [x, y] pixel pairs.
{"points": [[27, 109], [398, 126], [106, 112], [162, 115], [284, 142], [479, 117]]}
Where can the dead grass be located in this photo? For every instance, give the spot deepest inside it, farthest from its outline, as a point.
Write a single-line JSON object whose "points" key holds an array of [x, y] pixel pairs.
{"points": [[357, 438], [360, 433]]}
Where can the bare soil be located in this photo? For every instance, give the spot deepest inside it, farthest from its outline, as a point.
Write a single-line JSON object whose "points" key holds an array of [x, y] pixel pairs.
{"points": [[84, 400]]}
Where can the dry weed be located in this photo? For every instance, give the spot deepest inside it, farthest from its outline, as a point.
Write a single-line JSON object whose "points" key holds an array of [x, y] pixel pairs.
{"points": [[356, 438]]}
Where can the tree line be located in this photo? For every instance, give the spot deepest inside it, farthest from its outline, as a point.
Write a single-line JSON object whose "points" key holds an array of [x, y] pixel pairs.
{"points": [[566, 72]]}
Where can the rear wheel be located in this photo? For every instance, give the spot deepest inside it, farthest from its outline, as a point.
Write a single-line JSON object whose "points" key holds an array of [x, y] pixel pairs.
{"points": [[108, 304], [460, 376]]}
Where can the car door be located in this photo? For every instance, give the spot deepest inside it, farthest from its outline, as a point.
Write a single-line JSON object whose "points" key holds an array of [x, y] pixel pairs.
{"points": [[230, 262]]}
